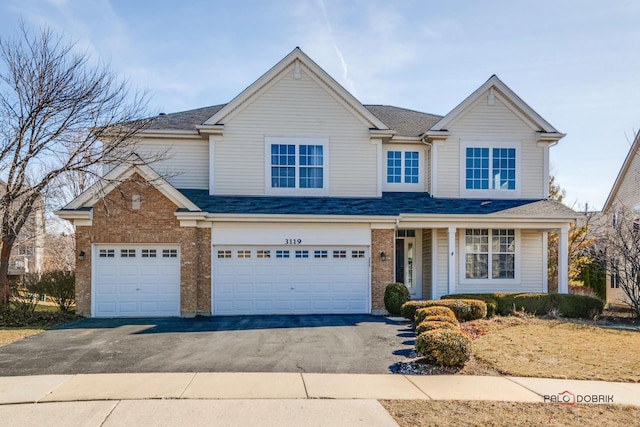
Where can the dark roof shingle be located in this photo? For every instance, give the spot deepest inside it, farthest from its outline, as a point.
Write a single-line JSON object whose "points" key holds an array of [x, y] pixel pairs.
{"points": [[390, 204], [184, 120]]}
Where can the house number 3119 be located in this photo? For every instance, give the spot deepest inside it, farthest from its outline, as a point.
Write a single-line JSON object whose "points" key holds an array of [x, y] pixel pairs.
{"points": [[292, 241]]}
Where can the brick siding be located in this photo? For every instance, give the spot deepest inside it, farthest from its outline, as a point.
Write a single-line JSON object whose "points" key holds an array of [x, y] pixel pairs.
{"points": [[381, 271], [114, 221]]}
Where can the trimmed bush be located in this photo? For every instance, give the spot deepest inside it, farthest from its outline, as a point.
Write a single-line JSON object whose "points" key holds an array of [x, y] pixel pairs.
{"points": [[408, 310], [421, 313], [430, 326], [444, 347], [395, 295], [491, 300], [445, 319], [464, 309], [579, 306], [537, 303]]}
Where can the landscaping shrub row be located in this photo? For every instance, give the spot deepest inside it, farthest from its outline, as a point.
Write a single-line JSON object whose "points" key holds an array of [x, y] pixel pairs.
{"points": [[13, 318], [464, 309], [573, 306]]}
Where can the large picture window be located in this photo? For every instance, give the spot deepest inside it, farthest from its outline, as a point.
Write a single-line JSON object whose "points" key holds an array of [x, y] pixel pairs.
{"points": [[488, 168], [490, 254]]}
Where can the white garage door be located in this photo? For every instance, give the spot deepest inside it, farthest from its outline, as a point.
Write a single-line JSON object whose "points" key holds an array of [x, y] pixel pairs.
{"points": [[136, 281], [286, 280]]}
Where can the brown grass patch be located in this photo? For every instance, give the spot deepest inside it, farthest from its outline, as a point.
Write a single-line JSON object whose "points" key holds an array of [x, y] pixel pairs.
{"points": [[9, 335], [479, 413], [532, 347]]}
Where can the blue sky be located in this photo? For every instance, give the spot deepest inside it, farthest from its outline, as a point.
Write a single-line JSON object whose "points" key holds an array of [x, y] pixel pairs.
{"points": [[576, 63]]}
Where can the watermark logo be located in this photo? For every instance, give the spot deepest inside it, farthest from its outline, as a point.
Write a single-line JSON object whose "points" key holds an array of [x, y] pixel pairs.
{"points": [[566, 398]]}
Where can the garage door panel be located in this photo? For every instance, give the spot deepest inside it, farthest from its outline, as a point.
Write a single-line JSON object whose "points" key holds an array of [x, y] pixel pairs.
{"points": [[128, 270], [244, 288], [293, 285], [144, 283], [264, 288], [264, 305]]}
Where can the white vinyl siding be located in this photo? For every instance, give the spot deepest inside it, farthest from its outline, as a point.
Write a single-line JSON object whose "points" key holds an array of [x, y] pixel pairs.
{"points": [[491, 123], [532, 261], [442, 277], [185, 162], [295, 108], [628, 194]]}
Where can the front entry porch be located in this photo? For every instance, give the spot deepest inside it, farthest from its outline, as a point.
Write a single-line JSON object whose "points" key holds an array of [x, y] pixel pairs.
{"points": [[477, 258]]}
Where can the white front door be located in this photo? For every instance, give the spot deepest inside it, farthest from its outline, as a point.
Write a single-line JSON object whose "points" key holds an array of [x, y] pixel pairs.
{"points": [[290, 280], [136, 280]]}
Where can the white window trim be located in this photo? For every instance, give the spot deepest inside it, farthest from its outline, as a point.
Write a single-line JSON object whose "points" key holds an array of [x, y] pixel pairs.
{"points": [[403, 186], [462, 273], [269, 190], [491, 193]]}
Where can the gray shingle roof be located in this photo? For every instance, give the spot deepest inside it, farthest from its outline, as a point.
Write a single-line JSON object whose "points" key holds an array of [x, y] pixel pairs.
{"points": [[404, 122], [548, 208], [184, 120], [390, 204]]}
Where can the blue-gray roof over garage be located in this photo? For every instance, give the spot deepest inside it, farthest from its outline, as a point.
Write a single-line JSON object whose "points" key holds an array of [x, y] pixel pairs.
{"points": [[390, 204]]}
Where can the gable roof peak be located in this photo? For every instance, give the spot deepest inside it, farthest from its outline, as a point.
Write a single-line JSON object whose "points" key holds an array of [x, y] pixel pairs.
{"points": [[298, 57], [494, 82], [634, 151]]}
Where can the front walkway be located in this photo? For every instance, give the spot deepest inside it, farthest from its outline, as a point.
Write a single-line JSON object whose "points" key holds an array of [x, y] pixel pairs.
{"points": [[265, 398]]}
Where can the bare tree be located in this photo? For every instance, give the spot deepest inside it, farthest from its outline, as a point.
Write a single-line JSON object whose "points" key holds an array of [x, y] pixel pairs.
{"points": [[621, 238], [59, 114], [581, 242]]}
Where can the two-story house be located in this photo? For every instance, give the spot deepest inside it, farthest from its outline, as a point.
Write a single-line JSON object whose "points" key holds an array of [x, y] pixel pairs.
{"points": [[623, 205], [296, 198]]}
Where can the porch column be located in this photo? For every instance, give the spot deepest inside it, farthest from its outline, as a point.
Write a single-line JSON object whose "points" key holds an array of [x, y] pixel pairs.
{"points": [[563, 260], [451, 261]]}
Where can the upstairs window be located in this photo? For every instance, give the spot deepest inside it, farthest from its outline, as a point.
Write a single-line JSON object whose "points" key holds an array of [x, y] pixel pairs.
{"points": [[403, 167], [296, 166], [490, 168]]}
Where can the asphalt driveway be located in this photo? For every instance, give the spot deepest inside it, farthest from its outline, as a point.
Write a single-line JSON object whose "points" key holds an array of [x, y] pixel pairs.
{"points": [[314, 343]]}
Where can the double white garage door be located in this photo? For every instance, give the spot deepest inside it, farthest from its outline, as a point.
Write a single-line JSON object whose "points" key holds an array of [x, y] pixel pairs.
{"points": [[290, 280]]}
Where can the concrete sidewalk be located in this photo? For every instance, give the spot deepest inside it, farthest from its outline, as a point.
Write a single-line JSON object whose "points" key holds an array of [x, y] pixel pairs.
{"points": [[268, 398]]}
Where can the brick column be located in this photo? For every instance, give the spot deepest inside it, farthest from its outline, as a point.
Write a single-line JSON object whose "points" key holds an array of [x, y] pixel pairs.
{"points": [[203, 239], [83, 272], [188, 273], [381, 271]]}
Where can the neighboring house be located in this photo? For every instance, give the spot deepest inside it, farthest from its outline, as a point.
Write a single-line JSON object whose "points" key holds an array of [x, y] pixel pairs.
{"points": [[296, 198], [623, 202], [27, 255]]}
